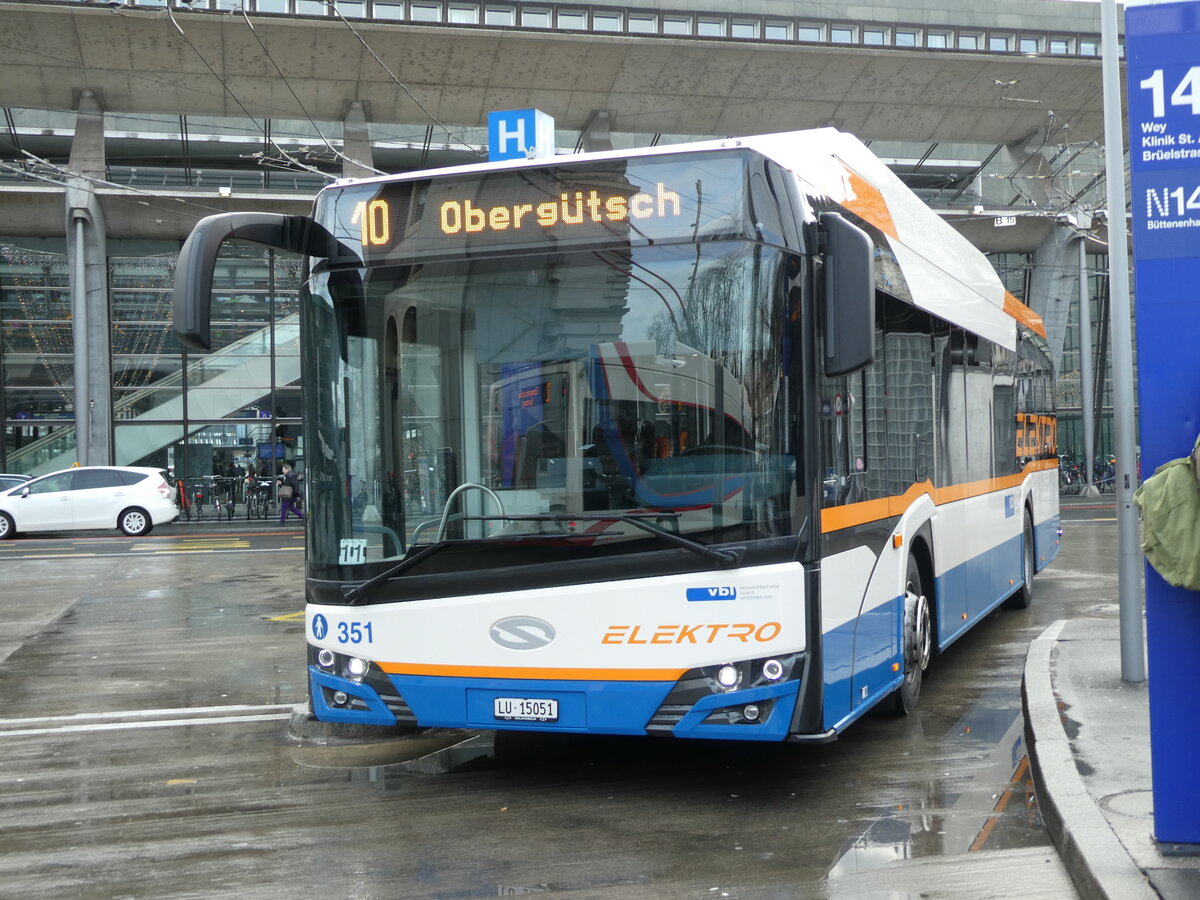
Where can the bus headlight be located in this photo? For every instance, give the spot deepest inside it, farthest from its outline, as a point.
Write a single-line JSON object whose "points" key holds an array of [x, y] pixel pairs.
{"points": [[772, 670], [356, 667], [728, 677], [326, 658]]}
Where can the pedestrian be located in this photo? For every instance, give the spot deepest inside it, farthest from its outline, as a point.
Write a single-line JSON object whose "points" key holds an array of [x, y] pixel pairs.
{"points": [[289, 494], [248, 486]]}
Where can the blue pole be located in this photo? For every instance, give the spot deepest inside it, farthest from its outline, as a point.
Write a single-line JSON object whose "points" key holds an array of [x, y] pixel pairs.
{"points": [[1163, 72]]}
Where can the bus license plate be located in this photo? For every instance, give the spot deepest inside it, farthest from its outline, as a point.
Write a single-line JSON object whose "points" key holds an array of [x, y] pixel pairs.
{"points": [[526, 709]]}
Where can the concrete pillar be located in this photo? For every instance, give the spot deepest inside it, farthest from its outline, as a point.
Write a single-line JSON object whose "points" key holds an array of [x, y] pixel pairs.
{"points": [[87, 258], [1052, 285], [1086, 382], [356, 143], [1055, 264], [596, 134]]}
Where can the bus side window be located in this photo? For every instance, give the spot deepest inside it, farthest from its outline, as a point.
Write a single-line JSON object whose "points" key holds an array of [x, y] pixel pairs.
{"points": [[1034, 397], [1006, 427], [905, 454], [978, 407], [835, 443], [843, 416], [950, 381]]}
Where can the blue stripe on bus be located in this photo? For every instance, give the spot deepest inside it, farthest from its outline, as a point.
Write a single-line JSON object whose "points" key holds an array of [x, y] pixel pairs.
{"points": [[860, 654], [1046, 542], [773, 727], [376, 712], [874, 639], [601, 707], [967, 593], [594, 707]]}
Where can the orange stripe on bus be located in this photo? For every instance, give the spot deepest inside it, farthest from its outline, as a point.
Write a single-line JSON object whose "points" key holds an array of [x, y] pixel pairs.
{"points": [[399, 668], [835, 518], [1024, 314], [868, 203]]}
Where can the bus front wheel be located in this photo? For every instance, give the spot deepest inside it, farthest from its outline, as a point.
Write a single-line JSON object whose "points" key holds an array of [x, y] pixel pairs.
{"points": [[918, 640]]}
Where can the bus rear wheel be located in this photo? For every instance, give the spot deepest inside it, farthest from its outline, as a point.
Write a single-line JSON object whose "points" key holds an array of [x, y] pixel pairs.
{"points": [[918, 641], [1023, 598]]}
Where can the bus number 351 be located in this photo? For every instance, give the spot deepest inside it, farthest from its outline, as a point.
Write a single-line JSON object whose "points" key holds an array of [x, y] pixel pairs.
{"points": [[355, 633]]}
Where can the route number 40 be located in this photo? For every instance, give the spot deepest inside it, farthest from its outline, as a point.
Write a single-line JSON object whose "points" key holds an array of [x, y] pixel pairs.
{"points": [[1186, 93]]}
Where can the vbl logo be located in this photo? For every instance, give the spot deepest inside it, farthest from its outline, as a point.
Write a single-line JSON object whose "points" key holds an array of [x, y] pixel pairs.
{"points": [[712, 593]]}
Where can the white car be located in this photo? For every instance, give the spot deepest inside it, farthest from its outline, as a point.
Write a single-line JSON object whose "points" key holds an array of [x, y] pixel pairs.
{"points": [[129, 498], [9, 481]]}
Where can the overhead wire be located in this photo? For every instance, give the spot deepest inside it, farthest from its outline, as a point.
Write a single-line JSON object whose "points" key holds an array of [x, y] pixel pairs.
{"points": [[266, 137], [404, 87], [1063, 125], [287, 83], [103, 182]]}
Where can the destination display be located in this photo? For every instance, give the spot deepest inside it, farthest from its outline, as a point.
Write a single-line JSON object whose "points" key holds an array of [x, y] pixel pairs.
{"points": [[1164, 140], [697, 196]]}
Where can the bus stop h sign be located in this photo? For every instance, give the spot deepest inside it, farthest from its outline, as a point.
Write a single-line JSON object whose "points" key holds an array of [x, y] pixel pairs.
{"points": [[1162, 48]]}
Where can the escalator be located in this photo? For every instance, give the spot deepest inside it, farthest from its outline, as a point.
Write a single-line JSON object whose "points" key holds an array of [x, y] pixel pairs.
{"points": [[220, 383]]}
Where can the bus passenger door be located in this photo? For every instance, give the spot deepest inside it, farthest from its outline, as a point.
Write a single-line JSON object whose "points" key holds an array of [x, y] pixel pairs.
{"points": [[953, 470], [846, 565]]}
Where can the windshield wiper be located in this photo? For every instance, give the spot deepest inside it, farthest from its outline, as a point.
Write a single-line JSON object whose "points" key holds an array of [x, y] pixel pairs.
{"points": [[357, 592], [729, 557], [726, 558]]}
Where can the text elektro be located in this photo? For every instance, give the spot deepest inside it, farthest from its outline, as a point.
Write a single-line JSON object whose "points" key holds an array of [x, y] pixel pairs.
{"points": [[691, 634]]}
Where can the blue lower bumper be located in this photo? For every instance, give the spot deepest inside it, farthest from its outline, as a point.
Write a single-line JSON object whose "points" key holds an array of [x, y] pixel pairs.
{"points": [[593, 707]]}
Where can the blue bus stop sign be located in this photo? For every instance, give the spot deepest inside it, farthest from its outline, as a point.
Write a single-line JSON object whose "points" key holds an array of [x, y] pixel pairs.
{"points": [[1162, 49], [520, 134]]}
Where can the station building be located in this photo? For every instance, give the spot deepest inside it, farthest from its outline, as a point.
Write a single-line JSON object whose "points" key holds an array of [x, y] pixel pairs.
{"points": [[128, 120]]}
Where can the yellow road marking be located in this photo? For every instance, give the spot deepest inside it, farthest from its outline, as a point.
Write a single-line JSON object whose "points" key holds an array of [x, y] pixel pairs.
{"points": [[192, 548], [287, 617]]}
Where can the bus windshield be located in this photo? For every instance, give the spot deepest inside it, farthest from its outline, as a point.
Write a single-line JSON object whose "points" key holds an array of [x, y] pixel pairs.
{"points": [[492, 400]]}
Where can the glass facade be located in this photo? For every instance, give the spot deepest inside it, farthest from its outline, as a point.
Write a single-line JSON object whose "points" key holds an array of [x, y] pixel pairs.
{"points": [[1070, 394], [199, 412], [571, 16], [36, 344], [196, 414]]}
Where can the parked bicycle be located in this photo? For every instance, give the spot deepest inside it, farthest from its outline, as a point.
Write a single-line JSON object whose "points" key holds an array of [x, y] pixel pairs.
{"points": [[221, 492], [197, 492], [1106, 474], [1070, 478], [259, 496]]}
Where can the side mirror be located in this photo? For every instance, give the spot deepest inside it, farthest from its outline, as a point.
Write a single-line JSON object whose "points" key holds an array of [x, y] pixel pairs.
{"points": [[24, 493], [194, 270], [849, 302]]}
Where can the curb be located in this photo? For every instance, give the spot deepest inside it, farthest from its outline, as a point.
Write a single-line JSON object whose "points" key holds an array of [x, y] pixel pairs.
{"points": [[1095, 858]]}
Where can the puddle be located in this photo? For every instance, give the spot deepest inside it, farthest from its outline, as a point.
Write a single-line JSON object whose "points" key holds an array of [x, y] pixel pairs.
{"points": [[436, 751], [992, 807]]}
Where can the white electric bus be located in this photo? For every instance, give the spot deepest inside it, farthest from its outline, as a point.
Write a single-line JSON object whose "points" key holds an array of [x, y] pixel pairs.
{"points": [[715, 440]]}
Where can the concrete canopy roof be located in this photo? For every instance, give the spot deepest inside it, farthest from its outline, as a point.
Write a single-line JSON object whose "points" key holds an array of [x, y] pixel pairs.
{"points": [[137, 62]]}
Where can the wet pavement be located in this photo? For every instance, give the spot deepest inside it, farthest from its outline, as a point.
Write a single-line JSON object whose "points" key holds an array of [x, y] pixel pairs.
{"points": [[145, 748], [1090, 734]]}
